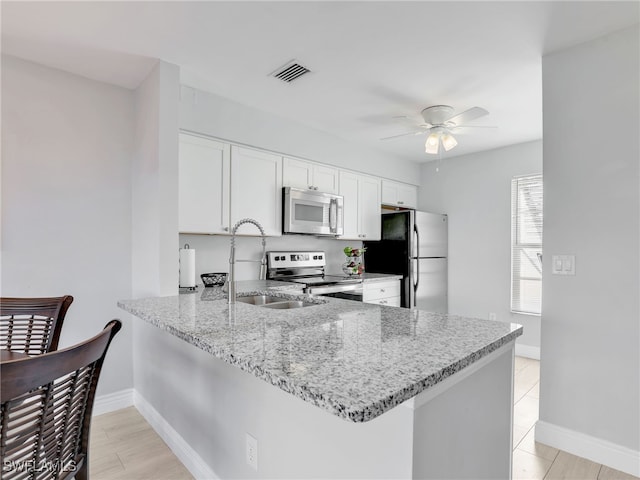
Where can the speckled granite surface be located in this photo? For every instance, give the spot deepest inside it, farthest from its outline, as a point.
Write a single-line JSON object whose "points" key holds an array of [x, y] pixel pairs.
{"points": [[379, 277], [355, 360]]}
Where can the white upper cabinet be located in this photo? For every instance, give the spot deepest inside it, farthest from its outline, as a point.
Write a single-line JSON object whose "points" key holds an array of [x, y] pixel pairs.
{"points": [[361, 206], [256, 190], [349, 190], [399, 194], [369, 207], [203, 179], [325, 179], [309, 175]]}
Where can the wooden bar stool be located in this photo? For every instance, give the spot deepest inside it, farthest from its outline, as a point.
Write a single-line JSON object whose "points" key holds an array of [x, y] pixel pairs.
{"points": [[32, 325], [45, 416]]}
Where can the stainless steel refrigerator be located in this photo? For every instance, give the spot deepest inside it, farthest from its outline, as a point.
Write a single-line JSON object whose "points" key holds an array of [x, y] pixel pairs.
{"points": [[414, 245]]}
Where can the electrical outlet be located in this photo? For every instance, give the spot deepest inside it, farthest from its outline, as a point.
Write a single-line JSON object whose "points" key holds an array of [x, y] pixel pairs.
{"points": [[252, 452], [492, 316]]}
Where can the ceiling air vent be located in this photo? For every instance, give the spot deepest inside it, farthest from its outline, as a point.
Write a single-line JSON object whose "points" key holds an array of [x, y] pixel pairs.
{"points": [[290, 72]]}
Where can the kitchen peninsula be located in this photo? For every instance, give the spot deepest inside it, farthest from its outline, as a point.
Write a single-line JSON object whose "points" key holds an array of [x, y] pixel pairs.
{"points": [[335, 389]]}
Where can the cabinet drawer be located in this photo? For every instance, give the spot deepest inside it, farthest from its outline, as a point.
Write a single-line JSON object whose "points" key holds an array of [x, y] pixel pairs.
{"points": [[380, 290], [389, 302]]}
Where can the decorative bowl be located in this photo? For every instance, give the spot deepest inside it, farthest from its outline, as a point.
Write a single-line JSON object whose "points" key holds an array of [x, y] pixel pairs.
{"points": [[213, 279]]}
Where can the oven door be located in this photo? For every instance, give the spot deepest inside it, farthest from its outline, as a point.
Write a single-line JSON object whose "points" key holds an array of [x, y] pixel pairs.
{"points": [[350, 295], [311, 212], [348, 291]]}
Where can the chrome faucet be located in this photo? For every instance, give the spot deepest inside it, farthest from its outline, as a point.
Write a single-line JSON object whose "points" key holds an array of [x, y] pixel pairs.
{"points": [[230, 286]]}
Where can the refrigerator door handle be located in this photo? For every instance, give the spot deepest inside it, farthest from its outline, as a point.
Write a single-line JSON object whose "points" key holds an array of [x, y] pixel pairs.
{"points": [[416, 276], [417, 262]]}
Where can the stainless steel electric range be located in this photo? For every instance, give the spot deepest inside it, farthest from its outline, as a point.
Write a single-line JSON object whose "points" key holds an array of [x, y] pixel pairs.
{"points": [[308, 268]]}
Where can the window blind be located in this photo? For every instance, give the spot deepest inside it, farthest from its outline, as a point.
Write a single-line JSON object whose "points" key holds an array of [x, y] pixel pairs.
{"points": [[526, 244]]}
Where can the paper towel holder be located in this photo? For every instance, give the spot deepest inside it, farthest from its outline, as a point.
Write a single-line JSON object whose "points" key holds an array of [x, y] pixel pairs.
{"points": [[190, 272]]}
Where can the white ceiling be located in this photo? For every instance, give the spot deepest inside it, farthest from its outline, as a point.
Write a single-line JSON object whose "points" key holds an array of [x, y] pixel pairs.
{"points": [[370, 61]]}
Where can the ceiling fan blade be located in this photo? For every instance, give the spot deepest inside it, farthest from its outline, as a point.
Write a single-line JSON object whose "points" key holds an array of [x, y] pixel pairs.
{"points": [[462, 129], [412, 121], [420, 132], [453, 127], [467, 115], [474, 126]]}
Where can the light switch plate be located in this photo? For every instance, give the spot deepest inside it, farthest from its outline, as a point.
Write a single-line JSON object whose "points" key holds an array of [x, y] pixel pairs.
{"points": [[563, 264]]}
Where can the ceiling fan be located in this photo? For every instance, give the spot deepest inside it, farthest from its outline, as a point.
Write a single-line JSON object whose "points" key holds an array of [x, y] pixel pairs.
{"points": [[440, 122]]}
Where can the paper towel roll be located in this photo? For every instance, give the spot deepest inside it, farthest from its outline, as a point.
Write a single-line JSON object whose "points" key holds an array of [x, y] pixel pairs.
{"points": [[187, 267]]}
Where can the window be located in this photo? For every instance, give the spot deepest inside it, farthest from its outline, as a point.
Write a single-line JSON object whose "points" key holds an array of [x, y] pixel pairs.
{"points": [[526, 244]]}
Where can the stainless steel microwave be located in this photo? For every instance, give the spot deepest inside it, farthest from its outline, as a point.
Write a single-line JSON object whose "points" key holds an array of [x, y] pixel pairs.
{"points": [[312, 212]]}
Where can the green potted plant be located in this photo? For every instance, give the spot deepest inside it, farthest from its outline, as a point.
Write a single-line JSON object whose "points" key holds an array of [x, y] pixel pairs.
{"points": [[355, 261]]}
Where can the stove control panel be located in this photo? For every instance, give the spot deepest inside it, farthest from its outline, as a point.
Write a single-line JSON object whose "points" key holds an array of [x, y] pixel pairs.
{"points": [[295, 259]]}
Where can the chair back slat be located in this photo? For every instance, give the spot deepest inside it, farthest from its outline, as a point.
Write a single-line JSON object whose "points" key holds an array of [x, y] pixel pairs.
{"points": [[32, 325], [46, 408]]}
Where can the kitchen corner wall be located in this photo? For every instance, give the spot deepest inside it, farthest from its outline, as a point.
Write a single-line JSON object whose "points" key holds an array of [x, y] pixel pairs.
{"points": [[590, 366], [66, 201], [475, 191], [154, 171]]}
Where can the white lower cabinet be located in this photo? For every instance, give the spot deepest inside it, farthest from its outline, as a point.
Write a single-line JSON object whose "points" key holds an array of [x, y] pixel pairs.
{"points": [[256, 190], [203, 185], [361, 206], [382, 293]]}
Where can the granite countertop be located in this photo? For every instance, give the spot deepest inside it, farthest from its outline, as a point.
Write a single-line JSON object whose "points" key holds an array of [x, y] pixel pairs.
{"points": [[353, 359], [379, 277]]}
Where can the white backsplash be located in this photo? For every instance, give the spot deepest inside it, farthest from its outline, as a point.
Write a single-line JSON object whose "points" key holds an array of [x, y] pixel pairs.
{"points": [[212, 251]]}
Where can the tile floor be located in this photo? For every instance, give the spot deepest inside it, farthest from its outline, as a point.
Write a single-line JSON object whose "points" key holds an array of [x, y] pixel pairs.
{"points": [[125, 447], [533, 460]]}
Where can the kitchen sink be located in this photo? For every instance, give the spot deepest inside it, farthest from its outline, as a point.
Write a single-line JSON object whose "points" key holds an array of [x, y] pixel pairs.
{"points": [[273, 302], [260, 299], [289, 304]]}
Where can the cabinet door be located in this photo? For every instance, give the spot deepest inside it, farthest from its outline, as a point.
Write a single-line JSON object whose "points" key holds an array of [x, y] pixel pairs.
{"points": [[349, 190], [325, 179], [407, 195], [203, 185], [297, 173], [303, 174], [389, 192], [369, 208], [399, 194], [378, 290], [256, 190]]}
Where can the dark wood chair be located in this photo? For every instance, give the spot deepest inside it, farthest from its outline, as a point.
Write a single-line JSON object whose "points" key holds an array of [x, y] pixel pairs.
{"points": [[32, 325], [45, 416]]}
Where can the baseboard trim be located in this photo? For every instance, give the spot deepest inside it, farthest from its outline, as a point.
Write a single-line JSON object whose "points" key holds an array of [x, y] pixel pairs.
{"points": [[187, 455], [113, 401], [527, 351], [595, 449]]}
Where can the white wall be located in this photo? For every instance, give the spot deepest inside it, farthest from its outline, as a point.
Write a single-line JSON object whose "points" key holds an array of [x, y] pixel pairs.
{"points": [[155, 216], [213, 115], [66, 200], [590, 369], [155, 184], [475, 191]]}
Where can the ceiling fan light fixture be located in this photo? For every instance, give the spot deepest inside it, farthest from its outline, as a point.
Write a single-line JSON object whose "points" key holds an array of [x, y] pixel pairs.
{"points": [[448, 141], [432, 143]]}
